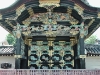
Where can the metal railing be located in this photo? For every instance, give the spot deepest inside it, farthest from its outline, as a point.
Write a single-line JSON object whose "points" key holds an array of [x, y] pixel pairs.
{"points": [[49, 72]]}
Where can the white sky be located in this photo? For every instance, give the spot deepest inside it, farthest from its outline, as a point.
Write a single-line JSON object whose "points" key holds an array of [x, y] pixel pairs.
{"points": [[6, 3]]}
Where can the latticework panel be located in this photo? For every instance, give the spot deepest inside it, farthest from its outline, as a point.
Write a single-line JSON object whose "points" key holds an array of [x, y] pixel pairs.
{"points": [[51, 55]]}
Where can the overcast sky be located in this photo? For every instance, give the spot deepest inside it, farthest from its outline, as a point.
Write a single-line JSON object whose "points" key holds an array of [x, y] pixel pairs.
{"points": [[6, 3]]}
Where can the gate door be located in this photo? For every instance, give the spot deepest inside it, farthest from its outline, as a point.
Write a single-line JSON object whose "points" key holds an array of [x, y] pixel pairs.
{"points": [[51, 53]]}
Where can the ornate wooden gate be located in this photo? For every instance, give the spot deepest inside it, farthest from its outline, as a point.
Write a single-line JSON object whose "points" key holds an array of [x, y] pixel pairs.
{"points": [[51, 53]]}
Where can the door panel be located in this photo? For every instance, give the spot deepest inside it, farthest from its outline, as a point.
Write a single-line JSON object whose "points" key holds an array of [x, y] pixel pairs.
{"points": [[51, 55]]}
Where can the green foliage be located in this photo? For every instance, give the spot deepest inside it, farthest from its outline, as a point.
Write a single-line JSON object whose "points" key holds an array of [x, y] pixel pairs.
{"points": [[10, 39], [91, 40]]}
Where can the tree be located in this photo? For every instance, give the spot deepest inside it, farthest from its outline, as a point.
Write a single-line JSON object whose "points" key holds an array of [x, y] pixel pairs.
{"points": [[10, 39], [91, 40]]}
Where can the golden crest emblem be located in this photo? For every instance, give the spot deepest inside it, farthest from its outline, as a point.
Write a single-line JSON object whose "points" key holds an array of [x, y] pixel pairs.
{"points": [[49, 2]]}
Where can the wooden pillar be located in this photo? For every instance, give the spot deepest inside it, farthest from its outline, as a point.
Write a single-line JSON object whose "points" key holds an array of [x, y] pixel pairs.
{"points": [[25, 61], [83, 32], [82, 53], [76, 63], [18, 47], [18, 53]]}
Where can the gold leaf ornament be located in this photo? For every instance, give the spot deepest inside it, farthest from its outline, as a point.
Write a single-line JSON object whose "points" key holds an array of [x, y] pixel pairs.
{"points": [[49, 2]]}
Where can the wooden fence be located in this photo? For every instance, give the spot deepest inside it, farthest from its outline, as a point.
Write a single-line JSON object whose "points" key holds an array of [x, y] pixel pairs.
{"points": [[49, 72]]}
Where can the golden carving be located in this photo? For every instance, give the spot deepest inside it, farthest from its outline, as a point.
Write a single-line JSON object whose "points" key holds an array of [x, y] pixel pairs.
{"points": [[30, 41], [73, 32], [73, 21], [39, 43], [72, 63], [25, 33], [69, 10], [82, 56], [62, 43], [50, 39], [47, 19], [26, 41], [26, 21], [72, 52], [62, 52], [29, 52], [91, 22], [51, 53], [18, 56], [0, 16], [20, 9], [49, 2], [98, 14], [30, 11], [79, 9], [50, 43], [82, 35], [73, 41], [7, 21], [50, 33], [29, 63]]}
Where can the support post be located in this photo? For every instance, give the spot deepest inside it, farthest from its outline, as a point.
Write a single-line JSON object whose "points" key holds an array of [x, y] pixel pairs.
{"points": [[76, 66], [24, 61], [17, 47], [82, 53], [18, 53], [83, 33]]}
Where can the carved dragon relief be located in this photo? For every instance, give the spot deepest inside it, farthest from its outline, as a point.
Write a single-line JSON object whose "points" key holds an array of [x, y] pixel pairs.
{"points": [[53, 30], [48, 18], [50, 27], [47, 30]]}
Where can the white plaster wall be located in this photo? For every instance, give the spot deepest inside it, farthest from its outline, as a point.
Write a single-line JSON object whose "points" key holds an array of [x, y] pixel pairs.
{"points": [[93, 62], [9, 59]]}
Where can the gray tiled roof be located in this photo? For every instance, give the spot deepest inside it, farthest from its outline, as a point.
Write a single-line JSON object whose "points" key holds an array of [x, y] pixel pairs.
{"points": [[92, 49]]}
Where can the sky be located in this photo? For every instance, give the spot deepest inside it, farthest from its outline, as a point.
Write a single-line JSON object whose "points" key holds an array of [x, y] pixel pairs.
{"points": [[4, 4], [7, 3]]}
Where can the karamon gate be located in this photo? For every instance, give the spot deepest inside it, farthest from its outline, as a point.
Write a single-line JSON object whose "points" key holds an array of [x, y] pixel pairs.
{"points": [[50, 33]]}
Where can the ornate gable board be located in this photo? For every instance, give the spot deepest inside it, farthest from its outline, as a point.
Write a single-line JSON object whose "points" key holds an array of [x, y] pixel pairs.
{"points": [[43, 3], [48, 19], [20, 9], [79, 9]]}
